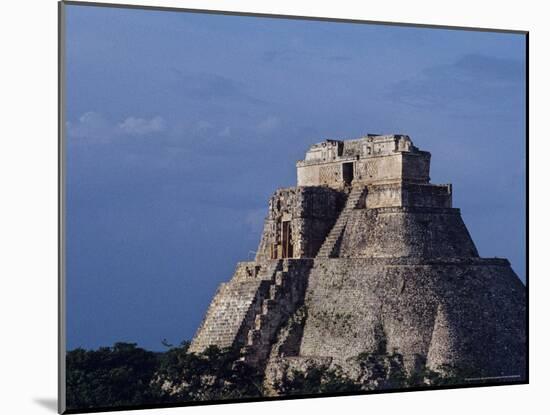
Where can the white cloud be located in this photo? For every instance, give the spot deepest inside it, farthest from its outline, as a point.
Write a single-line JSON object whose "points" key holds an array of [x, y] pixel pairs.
{"points": [[91, 118], [142, 126], [90, 125], [94, 126]]}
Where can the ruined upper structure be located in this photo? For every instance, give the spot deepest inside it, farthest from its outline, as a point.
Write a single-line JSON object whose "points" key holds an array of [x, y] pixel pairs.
{"points": [[372, 172], [374, 159], [365, 255], [390, 164]]}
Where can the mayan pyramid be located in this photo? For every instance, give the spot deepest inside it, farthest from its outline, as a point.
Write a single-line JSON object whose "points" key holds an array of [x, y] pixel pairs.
{"points": [[365, 253]]}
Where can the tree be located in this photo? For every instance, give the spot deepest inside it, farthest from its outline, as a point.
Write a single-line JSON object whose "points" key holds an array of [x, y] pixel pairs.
{"points": [[126, 375], [214, 374], [110, 376]]}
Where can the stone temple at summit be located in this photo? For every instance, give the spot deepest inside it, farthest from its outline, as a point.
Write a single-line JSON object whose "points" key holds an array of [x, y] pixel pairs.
{"points": [[366, 255]]}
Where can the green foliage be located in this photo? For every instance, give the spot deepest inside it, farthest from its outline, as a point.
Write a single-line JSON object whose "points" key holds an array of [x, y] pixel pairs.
{"points": [[448, 375], [126, 375], [214, 374], [382, 371], [315, 380], [377, 371], [110, 376], [387, 371]]}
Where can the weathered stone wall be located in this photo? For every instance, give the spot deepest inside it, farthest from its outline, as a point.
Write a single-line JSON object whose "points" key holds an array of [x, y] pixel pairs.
{"points": [[409, 195], [426, 195], [325, 151], [384, 195], [375, 159], [325, 174], [416, 166], [406, 232], [286, 295], [234, 307], [413, 167], [248, 310], [311, 212], [379, 169], [231, 306], [408, 277], [467, 312]]}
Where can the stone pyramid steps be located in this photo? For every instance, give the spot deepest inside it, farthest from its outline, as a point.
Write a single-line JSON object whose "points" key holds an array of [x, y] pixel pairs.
{"points": [[235, 305], [330, 244], [267, 321]]}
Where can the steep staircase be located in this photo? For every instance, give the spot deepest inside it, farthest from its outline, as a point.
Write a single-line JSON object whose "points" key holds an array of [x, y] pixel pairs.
{"points": [[267, 271], [328, 249], [276, 307], [235, 306]]}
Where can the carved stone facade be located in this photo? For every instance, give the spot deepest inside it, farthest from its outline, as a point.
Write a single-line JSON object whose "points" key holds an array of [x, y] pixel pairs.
{"points": [[365, 253], [368, 160], [298, 220]]}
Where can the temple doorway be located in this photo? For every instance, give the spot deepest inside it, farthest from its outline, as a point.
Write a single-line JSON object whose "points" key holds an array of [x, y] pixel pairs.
{"points": [[288, 249], [347, 172]]}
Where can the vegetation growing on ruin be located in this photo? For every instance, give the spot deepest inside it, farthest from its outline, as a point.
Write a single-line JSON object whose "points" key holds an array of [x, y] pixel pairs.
{"points": [[126, 375]]}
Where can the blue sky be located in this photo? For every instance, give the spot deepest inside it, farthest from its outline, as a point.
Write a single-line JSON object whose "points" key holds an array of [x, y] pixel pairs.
{"points": [[180, 126]]}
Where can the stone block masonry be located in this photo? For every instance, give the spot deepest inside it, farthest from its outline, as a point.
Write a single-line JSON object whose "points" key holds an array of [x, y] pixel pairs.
{"points": [[286, 294], [463, 312], [298, 221], [366, 254], [235, 306], [406, 232]]}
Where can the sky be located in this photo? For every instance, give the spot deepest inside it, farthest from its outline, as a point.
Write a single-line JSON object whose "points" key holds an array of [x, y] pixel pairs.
{"points": [[179, 127]]}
